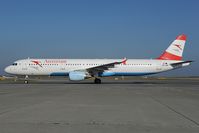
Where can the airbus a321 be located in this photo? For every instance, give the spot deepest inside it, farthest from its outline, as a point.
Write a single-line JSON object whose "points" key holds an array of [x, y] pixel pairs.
{"points": [[81, 69]]}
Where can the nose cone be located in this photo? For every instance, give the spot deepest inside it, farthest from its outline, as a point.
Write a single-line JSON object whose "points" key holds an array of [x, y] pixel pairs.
{"points": [[7, 69]]}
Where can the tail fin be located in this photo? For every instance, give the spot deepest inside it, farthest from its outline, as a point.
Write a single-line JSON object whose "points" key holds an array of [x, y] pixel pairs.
{"points": [[175, 50]]}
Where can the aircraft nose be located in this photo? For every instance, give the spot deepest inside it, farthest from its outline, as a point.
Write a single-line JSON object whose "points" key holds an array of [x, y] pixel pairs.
{"points": [[7, 69]]}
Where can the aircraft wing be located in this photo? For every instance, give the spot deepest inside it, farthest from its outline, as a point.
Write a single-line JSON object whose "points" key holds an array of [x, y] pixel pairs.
{"points": [[102, 68]]}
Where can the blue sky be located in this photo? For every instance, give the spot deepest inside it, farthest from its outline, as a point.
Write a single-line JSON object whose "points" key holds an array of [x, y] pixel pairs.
{"points": [[97, 29]]}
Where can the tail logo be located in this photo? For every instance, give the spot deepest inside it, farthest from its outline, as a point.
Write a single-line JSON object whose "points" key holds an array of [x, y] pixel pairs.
{"points": [[178, 46]]}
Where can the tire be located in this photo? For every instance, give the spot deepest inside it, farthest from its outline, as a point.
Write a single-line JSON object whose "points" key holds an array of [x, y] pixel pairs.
{"points": [[98, 81]]}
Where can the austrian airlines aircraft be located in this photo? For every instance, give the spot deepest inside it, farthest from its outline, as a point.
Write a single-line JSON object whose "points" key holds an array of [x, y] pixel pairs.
{"points": [[81, 69]]}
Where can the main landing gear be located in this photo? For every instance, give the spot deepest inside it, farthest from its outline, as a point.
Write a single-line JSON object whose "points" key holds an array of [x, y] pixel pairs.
{"points": [[97, 81]]}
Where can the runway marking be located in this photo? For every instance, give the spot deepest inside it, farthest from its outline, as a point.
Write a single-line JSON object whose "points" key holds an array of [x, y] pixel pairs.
{"points": [[177, 112]]}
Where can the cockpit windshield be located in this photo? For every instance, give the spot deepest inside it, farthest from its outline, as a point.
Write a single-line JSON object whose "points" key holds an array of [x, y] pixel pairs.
{"points": [[14, 64]]}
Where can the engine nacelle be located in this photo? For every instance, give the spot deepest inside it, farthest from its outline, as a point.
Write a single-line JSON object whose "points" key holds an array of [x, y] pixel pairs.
{"points": [[77, 76]]}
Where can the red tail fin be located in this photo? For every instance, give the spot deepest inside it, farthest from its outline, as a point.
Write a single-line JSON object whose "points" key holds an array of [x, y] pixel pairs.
{"points": [[175, 50]]}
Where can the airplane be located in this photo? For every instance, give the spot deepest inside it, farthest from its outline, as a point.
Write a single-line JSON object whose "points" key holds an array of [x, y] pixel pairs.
{"points": [[81, 69]]}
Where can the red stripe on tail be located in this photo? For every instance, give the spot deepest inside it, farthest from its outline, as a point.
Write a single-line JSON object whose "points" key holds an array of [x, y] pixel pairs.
{"points": [[169, 56], [181, 37]]}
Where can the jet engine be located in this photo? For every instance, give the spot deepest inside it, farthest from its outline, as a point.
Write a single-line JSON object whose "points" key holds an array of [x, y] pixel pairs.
{"points": [[77, 75]]}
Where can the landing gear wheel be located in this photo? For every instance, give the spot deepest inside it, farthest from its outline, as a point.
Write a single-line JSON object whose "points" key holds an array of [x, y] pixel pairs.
{"points": [[97, 81], [26, 82], [26, 79]]}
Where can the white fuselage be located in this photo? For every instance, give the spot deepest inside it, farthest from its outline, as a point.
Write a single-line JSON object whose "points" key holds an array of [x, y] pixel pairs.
{"points": [[62, 67]]}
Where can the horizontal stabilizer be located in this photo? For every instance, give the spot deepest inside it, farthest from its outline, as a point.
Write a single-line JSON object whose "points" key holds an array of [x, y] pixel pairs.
{"points": [[183, 63]]}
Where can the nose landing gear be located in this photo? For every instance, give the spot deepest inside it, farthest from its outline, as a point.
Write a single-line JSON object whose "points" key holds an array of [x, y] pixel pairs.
{"points": [[26, 80]]}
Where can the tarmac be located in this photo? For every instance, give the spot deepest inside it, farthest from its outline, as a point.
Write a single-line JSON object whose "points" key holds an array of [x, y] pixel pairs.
{"points": [[121, 106]]}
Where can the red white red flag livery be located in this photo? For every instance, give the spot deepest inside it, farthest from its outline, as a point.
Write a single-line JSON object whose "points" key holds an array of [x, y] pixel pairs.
{"points": [[175, 50], [81, 69]]}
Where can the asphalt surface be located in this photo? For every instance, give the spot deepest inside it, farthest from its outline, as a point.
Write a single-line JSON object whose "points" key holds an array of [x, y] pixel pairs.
{"points": [[156, 106]]}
